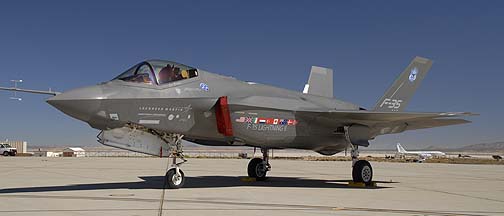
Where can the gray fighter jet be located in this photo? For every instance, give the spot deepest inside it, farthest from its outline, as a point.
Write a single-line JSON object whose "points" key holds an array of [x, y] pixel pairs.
{"points": [[156, 104]]}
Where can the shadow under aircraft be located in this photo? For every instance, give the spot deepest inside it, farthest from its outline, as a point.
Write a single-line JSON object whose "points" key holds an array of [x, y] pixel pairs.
{"points": [[157, 182]]}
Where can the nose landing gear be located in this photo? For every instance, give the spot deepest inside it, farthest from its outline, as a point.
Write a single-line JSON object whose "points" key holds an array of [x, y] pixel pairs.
{"points": [[174, 177]]}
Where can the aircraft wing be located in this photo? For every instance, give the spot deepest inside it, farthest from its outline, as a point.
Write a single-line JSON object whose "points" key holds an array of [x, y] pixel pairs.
{"points": [[391, 122], [431, 123]]}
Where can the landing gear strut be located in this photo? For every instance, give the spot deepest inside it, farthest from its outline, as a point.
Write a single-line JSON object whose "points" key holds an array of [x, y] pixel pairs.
{"points": [[175, 177], [362, 170], [258, 168]]}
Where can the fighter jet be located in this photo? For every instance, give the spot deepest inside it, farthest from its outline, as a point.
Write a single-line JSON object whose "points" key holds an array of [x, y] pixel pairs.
{"points": [[154, 105]]}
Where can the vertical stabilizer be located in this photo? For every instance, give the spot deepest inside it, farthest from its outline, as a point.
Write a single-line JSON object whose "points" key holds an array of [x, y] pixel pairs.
{"points": [[400, 149], [320, 82], [399, 94]]}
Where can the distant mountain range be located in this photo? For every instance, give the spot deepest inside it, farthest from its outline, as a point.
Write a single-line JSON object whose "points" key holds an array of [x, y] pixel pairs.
{"points": [[480, 147], [495, 146]]}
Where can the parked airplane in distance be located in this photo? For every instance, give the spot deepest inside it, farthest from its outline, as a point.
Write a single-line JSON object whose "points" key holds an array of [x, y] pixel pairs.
{"points": [[422, 155]]}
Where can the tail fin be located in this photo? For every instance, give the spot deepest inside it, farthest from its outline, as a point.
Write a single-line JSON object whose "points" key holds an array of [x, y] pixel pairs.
{"points": [[399, 94], [400, 149], [320, 82]]}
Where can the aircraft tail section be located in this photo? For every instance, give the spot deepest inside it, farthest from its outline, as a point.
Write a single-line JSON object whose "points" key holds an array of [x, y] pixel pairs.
{"points": [[400, 149], [320, 82], [399, 94]]}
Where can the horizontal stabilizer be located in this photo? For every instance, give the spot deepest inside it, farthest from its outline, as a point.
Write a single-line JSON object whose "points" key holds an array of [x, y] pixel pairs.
{"points": [[320, 82]]}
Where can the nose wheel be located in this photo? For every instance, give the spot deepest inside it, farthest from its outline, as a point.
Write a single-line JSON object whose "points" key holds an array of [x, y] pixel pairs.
{"points": [[259, 167], [175, 178]]}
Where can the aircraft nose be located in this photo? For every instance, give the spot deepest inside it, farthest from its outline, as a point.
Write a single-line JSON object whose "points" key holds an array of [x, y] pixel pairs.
{"points": [[83, 103]]}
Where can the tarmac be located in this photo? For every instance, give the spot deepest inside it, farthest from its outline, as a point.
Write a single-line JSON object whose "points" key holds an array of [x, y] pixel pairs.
{"points": [[134, 186]]}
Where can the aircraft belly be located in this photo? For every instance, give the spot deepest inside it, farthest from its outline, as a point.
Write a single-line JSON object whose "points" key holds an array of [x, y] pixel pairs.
{"points": [[326, 145]]}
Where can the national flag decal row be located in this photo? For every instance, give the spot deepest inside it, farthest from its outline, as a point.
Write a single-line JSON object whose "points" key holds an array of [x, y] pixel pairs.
{"points": [[271, 121]]}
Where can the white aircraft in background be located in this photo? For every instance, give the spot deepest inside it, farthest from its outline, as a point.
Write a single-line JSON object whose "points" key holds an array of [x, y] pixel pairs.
{"points": [[422, 155]]}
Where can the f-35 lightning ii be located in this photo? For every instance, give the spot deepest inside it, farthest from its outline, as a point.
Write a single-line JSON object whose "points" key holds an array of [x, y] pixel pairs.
{"points": [[156, 104]]}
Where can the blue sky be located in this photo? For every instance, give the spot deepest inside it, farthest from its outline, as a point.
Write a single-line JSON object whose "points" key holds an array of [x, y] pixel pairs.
{"points": [[68, 44]]}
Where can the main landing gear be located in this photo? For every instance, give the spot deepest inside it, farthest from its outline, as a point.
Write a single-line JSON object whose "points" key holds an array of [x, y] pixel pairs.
{"points": [[258, 168], [175, 177], [362, 170]]}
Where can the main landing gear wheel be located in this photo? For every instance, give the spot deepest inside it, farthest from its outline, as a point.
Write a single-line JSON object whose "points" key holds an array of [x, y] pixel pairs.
{"points": [[175, 180], [362, 172], [257, 169]]}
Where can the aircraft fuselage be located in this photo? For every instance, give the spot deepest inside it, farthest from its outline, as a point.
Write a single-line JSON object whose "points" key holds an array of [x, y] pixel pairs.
{"points": [[259, 115]]}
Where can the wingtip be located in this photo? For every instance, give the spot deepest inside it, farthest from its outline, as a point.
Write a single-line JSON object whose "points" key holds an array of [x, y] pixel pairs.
{"points": [[459, 114]]}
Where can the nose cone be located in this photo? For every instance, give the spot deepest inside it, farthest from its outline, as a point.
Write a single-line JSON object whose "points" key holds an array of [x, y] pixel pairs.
{"points": [[82, 103]]}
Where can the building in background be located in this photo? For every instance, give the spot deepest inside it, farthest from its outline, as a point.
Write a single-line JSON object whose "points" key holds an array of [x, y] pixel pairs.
{"points": [[47, 154], [74, 152]]}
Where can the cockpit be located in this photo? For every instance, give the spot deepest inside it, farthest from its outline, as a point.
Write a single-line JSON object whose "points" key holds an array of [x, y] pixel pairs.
{"points": [[158, 72]]}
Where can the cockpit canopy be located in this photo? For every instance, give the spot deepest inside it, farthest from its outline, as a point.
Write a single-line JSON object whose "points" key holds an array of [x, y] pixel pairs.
{"points": [[158, 72]]}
